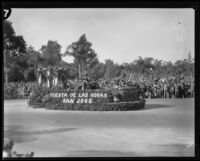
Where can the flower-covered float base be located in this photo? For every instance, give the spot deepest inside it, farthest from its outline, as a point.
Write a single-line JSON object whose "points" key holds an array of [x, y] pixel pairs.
{"points": [[57, 98]]}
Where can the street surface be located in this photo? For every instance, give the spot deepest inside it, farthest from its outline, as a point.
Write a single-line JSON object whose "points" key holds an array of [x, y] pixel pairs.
{"points": [[164, 128]]}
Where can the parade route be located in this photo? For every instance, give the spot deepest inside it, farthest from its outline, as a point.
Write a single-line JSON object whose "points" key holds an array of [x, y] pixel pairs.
{"points": [[164, 128]]}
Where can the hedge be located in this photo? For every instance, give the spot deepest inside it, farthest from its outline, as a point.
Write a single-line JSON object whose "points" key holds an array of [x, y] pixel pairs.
{"points": [[11, 91]]}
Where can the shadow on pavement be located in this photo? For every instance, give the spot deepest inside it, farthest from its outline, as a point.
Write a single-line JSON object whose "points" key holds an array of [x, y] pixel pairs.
{"points": [[20, 134], [177, 148], [155, 106], [49, 131], [102, 153]]}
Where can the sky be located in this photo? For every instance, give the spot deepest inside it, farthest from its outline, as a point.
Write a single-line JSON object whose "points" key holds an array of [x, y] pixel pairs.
{"points": [[121, 35]]}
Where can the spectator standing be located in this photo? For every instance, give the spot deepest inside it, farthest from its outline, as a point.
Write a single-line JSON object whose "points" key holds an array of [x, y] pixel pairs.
{"points": [[172, 91], [179, 90], [165, 90], [176, 90]]}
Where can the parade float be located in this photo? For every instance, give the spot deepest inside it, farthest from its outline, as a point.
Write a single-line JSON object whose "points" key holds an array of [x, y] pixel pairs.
{"points": [[83, 95]]}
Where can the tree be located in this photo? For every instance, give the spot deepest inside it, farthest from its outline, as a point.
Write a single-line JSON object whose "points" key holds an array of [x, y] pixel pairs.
{"points": [[8, 30], [67, 71], [98, 71], [111, 70], [183, 67], [50, 54], [27, 64], [14, 48], [140, 63], [15, 75], [84, 55], [32, 60], [189, 58], [125, 69]]}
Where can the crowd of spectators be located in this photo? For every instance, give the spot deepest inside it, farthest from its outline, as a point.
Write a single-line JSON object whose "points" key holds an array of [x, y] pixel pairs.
{"points": [[153, 86], [18, 89], [25, 88], [169, 88], [158, 87]]}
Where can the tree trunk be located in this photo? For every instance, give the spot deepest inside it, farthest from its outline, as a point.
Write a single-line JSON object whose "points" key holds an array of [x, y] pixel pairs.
{"points": [[6, 77], [5, 69], [25, 73], [80, 71]]}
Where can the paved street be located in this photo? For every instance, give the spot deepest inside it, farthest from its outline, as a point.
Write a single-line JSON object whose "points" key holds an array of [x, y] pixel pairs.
{"points": [[164, 128]]}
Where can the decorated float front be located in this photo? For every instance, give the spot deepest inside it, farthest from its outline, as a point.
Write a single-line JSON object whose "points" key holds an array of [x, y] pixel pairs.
{"points": [[83, 95]]}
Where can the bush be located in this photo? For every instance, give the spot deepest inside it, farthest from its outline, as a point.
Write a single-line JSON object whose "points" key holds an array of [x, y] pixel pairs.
{"points": [[15, 90], [11, 91]]}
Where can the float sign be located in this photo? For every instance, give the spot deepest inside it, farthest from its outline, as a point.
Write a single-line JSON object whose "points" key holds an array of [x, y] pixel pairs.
{"points": [[70, 97]]}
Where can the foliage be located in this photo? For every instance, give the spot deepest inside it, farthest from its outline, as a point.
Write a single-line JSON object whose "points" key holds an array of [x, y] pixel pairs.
{"points": [[84, 55], [98, 71], [111, 70], [50, 53], [159, 67], [14, 75], [121, 106], [11, 91], [8, 30], [14, 48], [37, 97]]}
